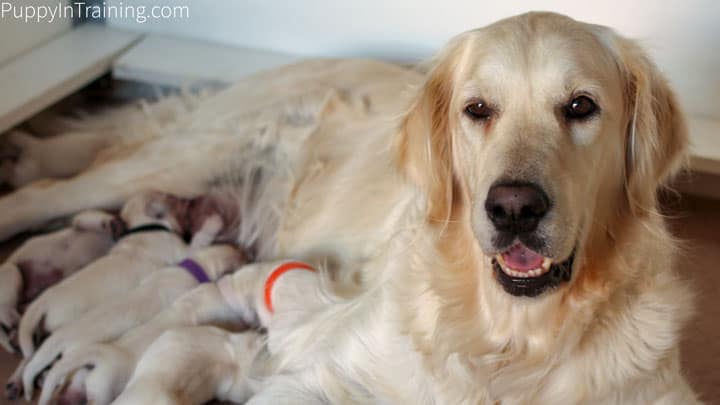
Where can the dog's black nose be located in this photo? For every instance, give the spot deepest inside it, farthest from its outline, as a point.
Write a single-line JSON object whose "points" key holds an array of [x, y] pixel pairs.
{"points": [[516, 208]]}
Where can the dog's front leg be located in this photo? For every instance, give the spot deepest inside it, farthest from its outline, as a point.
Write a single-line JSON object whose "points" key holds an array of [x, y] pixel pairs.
{"points": [[34, 205], [104, 185]]}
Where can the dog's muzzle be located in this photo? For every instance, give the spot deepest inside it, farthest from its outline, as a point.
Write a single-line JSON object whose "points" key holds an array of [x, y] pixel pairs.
{"points": [[515, 210]]}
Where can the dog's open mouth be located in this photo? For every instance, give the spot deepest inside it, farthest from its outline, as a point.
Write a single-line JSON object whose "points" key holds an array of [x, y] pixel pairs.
{"points": [[524, 272]]}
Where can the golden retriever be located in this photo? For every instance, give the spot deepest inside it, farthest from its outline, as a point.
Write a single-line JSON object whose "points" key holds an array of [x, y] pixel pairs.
{"points": [[502, 216]]}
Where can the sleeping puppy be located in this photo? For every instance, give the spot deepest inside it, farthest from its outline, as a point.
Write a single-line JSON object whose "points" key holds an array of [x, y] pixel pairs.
{"points": [[194, 365], [113, 318], [152, 242], [242, 298], [211, 364], [99, 372], [46, 259]]}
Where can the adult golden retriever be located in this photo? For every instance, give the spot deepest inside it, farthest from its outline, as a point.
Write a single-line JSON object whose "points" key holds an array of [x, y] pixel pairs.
{"points": [[502, 214]]}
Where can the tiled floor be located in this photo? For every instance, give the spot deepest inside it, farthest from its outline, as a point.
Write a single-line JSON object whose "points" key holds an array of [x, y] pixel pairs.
{"points": [[697, 221]]}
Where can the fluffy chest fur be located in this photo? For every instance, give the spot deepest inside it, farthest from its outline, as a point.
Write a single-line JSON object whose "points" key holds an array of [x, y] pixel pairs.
{"points": [[420, 335]]}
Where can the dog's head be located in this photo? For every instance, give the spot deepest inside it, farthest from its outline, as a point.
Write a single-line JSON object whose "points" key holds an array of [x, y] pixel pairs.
{"points": [[540, 132], [155, 207]]}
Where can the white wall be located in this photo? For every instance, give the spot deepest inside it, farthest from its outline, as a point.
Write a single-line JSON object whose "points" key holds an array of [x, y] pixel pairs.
{"points": [[682, 35], [18, 36]]}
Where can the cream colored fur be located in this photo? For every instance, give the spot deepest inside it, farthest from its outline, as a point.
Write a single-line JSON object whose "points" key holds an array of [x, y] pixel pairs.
{"points": [[53, 257], [124, 267], [376, 171]]}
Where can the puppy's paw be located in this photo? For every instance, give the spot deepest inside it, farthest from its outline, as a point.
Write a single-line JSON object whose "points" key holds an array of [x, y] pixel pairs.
{"points": [[6, 342], [9, 318], [13, 390]]}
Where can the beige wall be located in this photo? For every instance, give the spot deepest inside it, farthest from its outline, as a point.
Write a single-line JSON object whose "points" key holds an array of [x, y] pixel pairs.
{"points": [[683, 35]]}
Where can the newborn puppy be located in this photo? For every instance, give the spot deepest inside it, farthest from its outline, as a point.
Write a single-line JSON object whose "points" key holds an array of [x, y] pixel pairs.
{"points": [[194, 365], [245, 297], [101, 371], [151, 242], [113, 318], [44, 260]]}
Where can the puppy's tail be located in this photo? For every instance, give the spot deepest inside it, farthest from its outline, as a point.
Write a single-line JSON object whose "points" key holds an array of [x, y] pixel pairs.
{"points": [[29, 323], [84, 357]]}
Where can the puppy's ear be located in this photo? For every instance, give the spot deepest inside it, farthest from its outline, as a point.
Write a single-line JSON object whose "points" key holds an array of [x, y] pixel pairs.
{"points": [[656, 143], [424, 144]]}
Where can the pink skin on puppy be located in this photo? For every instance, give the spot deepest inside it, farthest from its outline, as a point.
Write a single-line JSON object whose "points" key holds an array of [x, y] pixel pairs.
{"points": [[133, 257], [44, 260]]}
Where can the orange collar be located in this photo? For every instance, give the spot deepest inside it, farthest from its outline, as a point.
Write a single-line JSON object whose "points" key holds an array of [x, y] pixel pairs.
{"points": [[279, 271]]}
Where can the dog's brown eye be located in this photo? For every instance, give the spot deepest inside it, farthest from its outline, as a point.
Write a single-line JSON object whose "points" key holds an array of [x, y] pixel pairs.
{"points": [[580, 108], [478, 110]]}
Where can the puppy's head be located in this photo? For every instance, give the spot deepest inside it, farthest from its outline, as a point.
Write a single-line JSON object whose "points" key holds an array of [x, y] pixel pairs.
{"points": [[220, 259], [538, 132], [154, 207]]}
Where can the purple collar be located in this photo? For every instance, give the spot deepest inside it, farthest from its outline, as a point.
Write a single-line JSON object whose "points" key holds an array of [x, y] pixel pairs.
{"points": [[195, 270]]}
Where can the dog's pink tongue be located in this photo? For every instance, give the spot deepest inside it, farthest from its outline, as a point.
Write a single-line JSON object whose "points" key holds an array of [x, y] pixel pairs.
{"points": [[520, 258]]}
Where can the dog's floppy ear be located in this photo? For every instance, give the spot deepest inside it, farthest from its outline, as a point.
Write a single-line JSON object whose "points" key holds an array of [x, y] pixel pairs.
{"points": [[657, 139], [424, 145]]}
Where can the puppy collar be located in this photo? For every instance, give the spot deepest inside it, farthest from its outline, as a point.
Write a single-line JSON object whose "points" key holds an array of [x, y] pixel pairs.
{"points": [[275, 274], [152, 227], [195, 270]]}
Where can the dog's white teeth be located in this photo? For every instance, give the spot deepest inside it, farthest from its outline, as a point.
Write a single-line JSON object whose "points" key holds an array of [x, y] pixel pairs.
{"points": [[518, 274], [513, 273], [544, 268], [524, 274]]}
